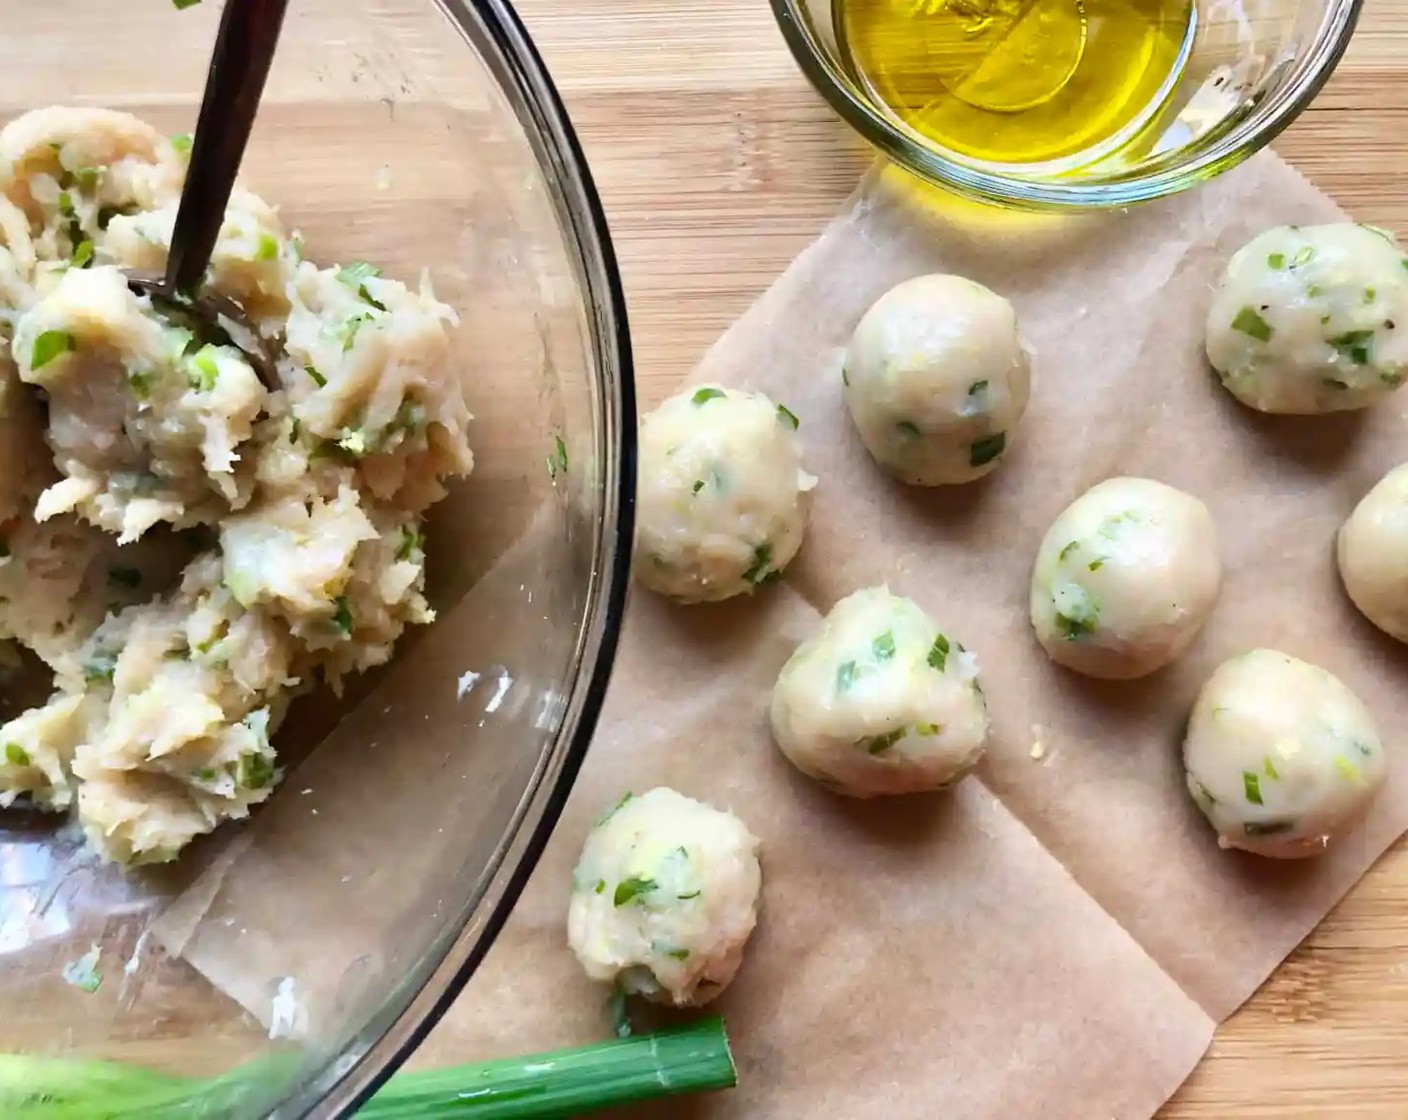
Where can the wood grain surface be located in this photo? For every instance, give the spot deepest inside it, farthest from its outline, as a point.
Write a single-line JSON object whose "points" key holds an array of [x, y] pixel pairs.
{"points": [[718, 164]]}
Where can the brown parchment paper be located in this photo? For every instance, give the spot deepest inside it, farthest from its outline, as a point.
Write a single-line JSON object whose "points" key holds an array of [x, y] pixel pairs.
{"points": [[1058, 936]]}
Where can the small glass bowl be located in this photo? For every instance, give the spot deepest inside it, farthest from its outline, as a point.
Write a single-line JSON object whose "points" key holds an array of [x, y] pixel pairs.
{"points": [[1252, 67]]}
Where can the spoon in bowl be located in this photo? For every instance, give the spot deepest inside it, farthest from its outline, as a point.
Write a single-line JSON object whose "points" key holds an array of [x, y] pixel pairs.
{"points": [[239, 66]]}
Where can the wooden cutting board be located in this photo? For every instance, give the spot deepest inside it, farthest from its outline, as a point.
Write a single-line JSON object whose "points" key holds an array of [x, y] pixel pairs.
{"points": [[718, 164]]}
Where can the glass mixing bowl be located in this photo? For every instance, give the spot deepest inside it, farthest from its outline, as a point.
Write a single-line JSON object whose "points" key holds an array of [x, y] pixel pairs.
{"points": [[1249, 68], [348, 913]]}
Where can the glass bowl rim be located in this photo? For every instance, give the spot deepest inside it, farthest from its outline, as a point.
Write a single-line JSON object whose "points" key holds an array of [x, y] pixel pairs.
{"points": [[381, 1046], [909, 152]]}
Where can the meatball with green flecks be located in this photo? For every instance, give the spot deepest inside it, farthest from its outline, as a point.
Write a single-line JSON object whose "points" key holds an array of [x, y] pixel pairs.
{"points": [[664, 898], [1312, 319], [882, 701], [1373, 554], [1125, 578], [721, 502], [936, 378], [1281, 757]]}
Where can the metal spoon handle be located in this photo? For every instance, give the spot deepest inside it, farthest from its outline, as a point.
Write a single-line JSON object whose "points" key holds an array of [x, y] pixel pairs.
{"points": [[244, 50]]}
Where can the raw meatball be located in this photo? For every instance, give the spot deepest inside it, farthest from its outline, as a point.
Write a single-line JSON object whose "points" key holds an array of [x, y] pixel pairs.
{"points": [[1312, 319], [664, 898], [721, 506], [1373, 554], [1125, 578], [881, 701], [1280, 756], [936, 377]]}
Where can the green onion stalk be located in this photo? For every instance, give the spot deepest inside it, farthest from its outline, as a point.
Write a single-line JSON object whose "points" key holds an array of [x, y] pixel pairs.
{"points": [[686, 1059]]}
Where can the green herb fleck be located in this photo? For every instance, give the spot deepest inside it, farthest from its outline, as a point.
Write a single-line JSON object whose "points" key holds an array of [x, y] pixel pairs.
{"points": [[65, 204], [1370, 294], [182, 141], [762, 570], [356, 273], [207, 774], [938, 653], [83, 254], [705, 395], [559, 460], [318, 379], [979, 389], [883, 647], [140, 382], [846, 674], [205, 368], [48, 346], [268, 249], [256, 770], [678, 954], [846, 375], [99, 667], [1304, 255], [632, 888], [927, 729], [1313, 291], [905, 428], [878, 744], [350, 328], [412, 541], [182, 5], [16, 755], [1095, 565], [1266, 828], [1250, 322], [1354, 345], [125, 577], [1347, 769], [600, 887], [88, 178], [342, 616], [616, 808], [1074, 627], [1270, 769], [987, 449], [687, 897], [1068, 550], [1251, 786], [788, 417], [1381, 232], [1277, 260], [698, 485]]}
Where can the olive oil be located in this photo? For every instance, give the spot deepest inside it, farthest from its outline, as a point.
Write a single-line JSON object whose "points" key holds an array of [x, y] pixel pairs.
{"points": [[1018, 81]]}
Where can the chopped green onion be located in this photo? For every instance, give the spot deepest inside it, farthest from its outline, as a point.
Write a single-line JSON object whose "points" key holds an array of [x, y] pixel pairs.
{"points": [[938, 653], [1267, 828], [600, 886], [183, 141], [88, 178], [412, 541], [1353, 345], [979, 392], [83, 254], [878, 744], [268, 249], [787, 416], [65, 204], [357, 273], [1251, 786], [140, 382], [182, 5], [1277, 260], [845, 676], [342, 617], [206, 368], [1270, 768], [987, 449], [1249, 322], [846, 374], [1068, 550], [761, 571], [1347, 769], [559, 461], [883, 647], [350, 328], [318, 379], [698, 486], [1370, 294], [256, 770], [16, 755], [1095, 565], [628, 890], [687, 897], [1381, 232], [1073, 628], [1303, 256], [678, 954], [50, 345], [927, 729], [705, 395], [616, 808]]}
